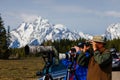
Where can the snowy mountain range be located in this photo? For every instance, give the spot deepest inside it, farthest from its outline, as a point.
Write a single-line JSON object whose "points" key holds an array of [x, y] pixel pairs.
{"points": [[41, 30]]}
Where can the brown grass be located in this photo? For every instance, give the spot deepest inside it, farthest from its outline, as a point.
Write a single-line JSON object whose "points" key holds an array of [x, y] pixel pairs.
{"points": [[24, 69]]}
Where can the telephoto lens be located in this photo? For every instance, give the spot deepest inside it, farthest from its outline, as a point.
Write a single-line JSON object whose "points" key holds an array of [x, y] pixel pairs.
{"points": [[62, 56]]}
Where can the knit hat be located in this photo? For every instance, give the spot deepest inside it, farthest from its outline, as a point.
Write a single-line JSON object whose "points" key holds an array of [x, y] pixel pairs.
{"points": [[81, 44]]}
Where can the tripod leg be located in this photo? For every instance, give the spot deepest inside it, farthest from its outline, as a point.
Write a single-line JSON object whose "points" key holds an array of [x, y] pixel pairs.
{"points": [[68, 75], [76, 76], [48, 77]]}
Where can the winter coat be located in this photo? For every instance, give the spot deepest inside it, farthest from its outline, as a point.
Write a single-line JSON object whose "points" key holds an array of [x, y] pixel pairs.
{"points": [[80, 71]]}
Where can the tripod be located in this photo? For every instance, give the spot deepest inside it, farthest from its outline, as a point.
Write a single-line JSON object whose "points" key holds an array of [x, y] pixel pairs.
{"points": [[48, 64], [71, 70], [47, 75]]}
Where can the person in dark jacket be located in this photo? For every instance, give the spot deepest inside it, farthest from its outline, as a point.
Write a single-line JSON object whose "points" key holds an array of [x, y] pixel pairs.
{"points": [[82, 61], [80, 71], [100, 64]]}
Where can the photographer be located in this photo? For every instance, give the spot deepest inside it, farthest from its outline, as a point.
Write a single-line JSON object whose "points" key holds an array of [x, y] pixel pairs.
{"points": [[82, 61], [70, 64], [78, 72], [100, 64]]}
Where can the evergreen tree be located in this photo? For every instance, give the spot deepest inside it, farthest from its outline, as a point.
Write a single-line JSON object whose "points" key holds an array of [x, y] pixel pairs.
{"points": [[8, 36], [3, 39], [115, 43]]}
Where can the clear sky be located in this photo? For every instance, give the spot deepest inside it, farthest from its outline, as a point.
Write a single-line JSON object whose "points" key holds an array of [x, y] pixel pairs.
{"points": [[88, 16]]}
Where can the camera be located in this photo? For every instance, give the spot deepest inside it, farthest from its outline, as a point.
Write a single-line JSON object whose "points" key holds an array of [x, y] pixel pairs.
{"points": [[69, 55], [82, 44]]}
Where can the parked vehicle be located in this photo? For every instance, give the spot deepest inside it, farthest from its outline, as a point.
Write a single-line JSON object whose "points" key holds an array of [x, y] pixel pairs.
{"points": [[58, 72], [115, 61]]}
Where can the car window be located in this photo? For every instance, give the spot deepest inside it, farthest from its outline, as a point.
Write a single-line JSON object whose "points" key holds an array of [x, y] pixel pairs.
{"points": [[115, 56], [58, 67]]}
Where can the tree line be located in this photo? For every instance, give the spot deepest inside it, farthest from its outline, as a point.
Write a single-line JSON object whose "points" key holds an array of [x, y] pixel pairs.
{"points": [[62, 45], [115, 43]]}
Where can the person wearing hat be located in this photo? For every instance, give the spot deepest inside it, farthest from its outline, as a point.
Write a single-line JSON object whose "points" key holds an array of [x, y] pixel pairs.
{"points": [[100, 64]]}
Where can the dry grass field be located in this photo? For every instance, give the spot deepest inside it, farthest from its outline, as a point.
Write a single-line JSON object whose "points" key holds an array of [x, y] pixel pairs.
{"points": [[25, 69]]}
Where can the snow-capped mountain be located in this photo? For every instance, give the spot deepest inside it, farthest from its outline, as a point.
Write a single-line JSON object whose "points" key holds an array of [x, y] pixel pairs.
{"points": [[113, 31], [41, 30]]}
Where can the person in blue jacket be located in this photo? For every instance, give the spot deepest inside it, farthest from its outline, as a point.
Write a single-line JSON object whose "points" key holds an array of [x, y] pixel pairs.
{"points": [[77, 71]]}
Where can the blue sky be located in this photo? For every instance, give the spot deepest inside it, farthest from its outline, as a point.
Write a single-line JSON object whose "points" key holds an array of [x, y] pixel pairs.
{"points": [[88, 16]]}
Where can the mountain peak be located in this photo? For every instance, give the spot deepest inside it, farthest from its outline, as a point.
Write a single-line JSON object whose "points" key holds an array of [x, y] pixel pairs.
{"points": [[40, 30], [38, 19], [60, 27], [113, 31], [40, 22]]}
